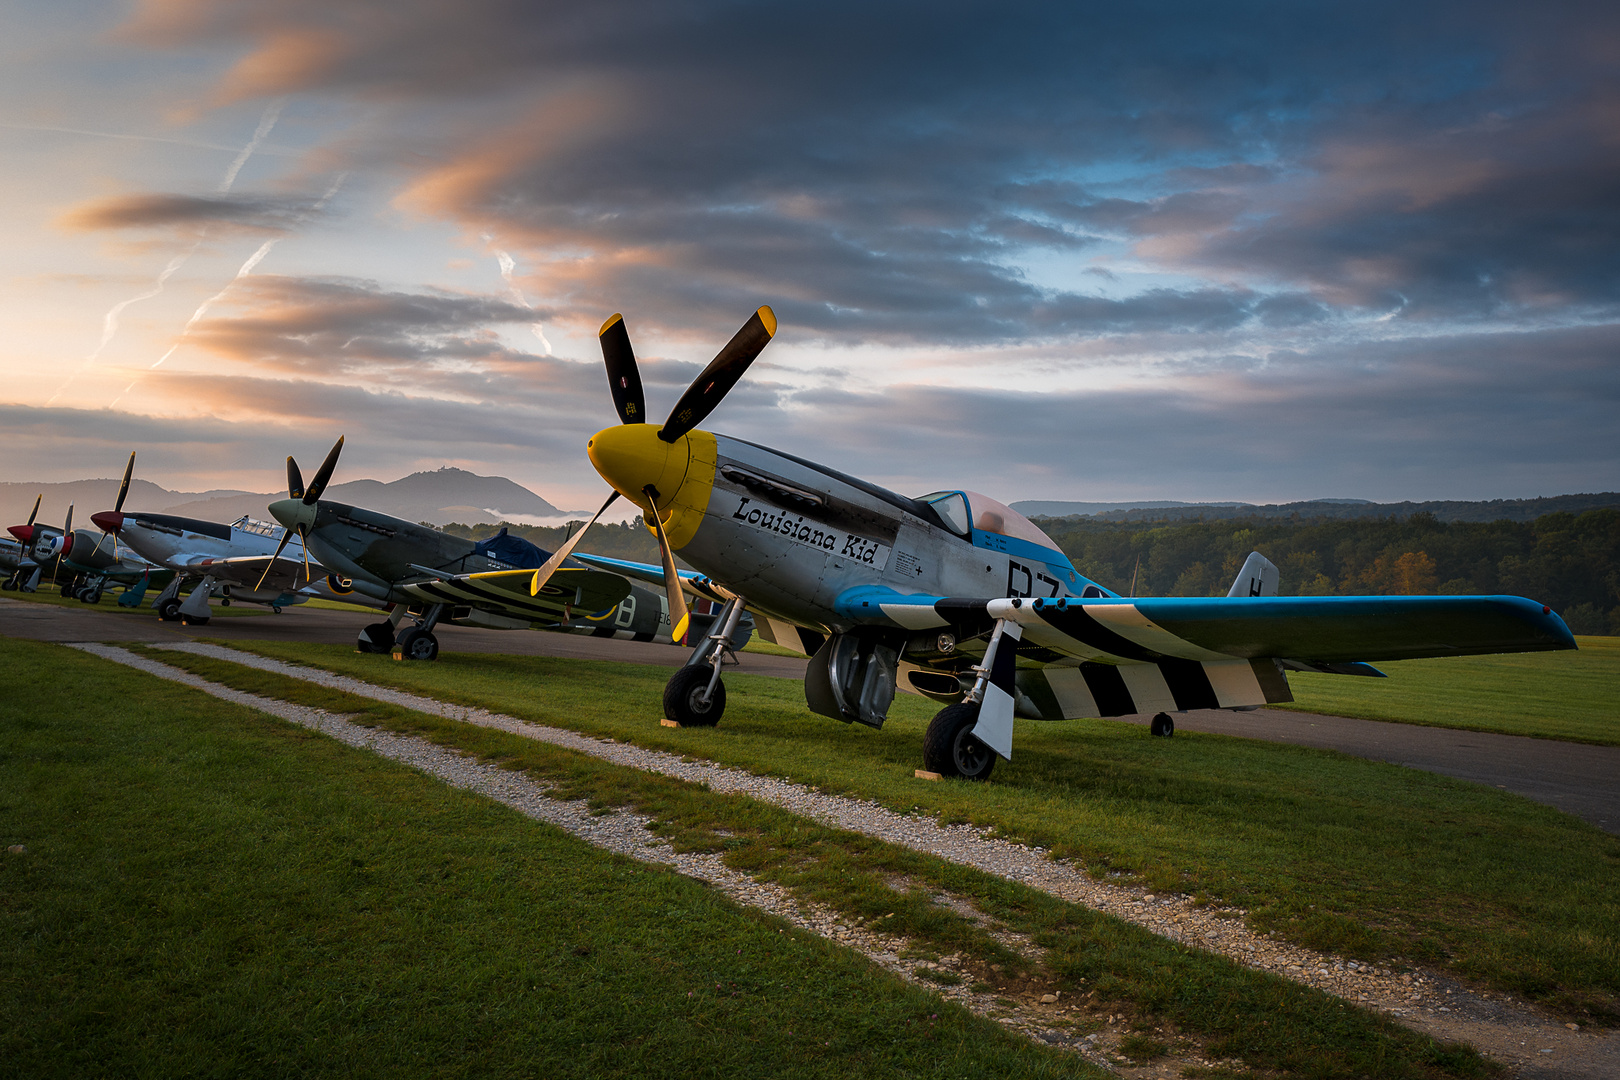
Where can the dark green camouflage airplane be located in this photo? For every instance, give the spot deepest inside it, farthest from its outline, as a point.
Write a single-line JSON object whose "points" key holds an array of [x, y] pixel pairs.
{"points": [[435, 577]]}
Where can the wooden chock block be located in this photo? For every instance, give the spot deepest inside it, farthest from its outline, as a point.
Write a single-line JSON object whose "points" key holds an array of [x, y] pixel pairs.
{"points": [[668, 723], [924, 774]]}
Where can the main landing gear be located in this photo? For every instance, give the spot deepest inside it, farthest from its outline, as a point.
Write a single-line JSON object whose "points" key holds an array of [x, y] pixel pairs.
{"points": [[694, 695], [413, 643], [1162, 726], [949, 747]]}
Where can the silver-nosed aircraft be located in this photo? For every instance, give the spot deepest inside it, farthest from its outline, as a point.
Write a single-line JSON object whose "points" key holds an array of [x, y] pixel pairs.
{"points": [[239, 561], [436, 577], [960, 598]]}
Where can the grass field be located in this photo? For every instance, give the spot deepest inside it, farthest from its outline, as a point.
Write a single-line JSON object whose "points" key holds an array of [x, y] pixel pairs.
{"points": [[433, 873], [1564, 695], [210, 892], [1341, 854]]}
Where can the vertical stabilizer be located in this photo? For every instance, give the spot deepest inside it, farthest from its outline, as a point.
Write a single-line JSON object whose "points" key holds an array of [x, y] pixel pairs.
{"points": [[1258, 577]]}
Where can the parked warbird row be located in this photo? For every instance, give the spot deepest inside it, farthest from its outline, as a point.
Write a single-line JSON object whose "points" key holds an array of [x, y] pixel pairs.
{"points": [[951, 595]]}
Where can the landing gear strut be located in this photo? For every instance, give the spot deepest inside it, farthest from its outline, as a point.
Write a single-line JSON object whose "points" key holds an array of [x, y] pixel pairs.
{"points": [[379, 636], [694, 695]]}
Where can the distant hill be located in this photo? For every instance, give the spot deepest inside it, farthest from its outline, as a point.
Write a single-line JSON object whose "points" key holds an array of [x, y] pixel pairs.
{"points": [[439, 497], [1339, 509]]}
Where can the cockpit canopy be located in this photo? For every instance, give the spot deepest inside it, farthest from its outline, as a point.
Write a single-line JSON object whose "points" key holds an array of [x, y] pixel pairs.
{"points": [[960, 509]]}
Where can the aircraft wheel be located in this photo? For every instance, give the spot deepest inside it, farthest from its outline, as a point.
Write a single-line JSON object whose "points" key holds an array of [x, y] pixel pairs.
{"points": [[9, 585], [683, 697], [225, 602], [169, 610], [90, 596], [949, 747], [276, 608], [417, 644], [1162, 726], [194, 620], [376, 638]]}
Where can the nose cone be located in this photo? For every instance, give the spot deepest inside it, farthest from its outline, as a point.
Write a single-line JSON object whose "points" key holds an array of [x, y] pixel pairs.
{"points": [[292, 513], [25, 533], [108, 521], [632, 456]]}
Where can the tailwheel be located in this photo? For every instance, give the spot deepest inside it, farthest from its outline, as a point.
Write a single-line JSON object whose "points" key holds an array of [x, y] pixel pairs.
{"points": [[687, 700], [949, 747], [1162, 726], [417, 644], [376, 638]]}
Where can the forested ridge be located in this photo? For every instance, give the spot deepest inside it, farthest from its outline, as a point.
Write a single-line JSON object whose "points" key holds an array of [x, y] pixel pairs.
{"points": [[1570, 562], [1567, 561]]}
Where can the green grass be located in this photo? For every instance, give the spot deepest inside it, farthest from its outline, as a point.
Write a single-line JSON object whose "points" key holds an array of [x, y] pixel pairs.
{"points": [[210, 892], [1345, 855], [1563, 695], [1238, 1013]]}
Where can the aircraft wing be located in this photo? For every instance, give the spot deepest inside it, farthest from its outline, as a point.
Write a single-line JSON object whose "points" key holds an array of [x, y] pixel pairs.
{"points": [[246, 570], [691, 580], [569, 593], [1117, 656]]}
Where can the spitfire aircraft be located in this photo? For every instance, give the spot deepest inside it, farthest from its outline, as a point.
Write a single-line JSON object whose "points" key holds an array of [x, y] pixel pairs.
{"points": [[960, 598], [435, 576], [234, 560]]}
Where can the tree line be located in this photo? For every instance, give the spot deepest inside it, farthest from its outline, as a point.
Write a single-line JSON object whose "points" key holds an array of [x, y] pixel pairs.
{"points": [[1570, 562]]}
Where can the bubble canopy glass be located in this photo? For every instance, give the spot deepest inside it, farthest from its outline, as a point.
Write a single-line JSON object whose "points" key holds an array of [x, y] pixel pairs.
{"points": [[959, 508]]}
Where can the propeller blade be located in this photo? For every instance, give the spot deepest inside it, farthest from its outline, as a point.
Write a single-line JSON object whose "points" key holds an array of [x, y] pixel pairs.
{"points": [[672, 580], [123, 489], [312, 494], [34, 513], [295, 480], [543, 575], [286, 536], [67, 530], [716, 380], [624, 378]]}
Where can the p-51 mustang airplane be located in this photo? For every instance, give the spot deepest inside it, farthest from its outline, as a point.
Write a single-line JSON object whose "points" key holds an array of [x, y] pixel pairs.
{"points": [[233, 560], [439, 577], [962, 599]]}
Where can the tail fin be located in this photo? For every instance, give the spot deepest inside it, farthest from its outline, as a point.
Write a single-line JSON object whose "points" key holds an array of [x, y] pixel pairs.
{"points": [[1258, 577]]}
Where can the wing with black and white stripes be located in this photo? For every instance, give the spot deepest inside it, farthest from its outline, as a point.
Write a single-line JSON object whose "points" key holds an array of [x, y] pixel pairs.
{"points": [[568, 593]]}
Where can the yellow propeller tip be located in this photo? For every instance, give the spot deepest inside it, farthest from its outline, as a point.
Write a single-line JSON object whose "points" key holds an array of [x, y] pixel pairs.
{"points": [[768, 317], [616, 318], [679, 633], [534, 584]]}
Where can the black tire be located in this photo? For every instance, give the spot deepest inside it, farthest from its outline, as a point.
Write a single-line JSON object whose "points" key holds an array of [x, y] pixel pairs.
{"points": [[194, 620], [417, 644], [90, 596], [949, 747], [169, 610], [376, 638], [683, 697], [1162, 726]]}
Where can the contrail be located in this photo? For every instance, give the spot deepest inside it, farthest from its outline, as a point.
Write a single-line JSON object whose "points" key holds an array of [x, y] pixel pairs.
{"points": [[508, 265], [109, 322], [247, 268]]}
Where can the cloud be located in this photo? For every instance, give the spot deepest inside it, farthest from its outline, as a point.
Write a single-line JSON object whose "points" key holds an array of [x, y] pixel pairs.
{"points": [[256, 213]]}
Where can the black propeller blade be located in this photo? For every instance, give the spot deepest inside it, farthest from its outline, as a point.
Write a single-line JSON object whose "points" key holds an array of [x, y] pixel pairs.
{"points": [[312, 494], [123, 489], [34, 513], [716, 380], [624, 379], [295, 480]]}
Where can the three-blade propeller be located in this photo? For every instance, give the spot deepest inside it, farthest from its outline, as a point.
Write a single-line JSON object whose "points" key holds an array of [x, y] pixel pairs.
{"points": [[118, 504], [700, 399], [309, 496]]}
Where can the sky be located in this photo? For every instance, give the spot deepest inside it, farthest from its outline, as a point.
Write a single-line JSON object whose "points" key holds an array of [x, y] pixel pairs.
{"points": [[1089, 251]]}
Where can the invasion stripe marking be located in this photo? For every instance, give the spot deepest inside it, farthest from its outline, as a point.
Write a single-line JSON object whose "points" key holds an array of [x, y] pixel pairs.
{"points": [[1080, 625], [1148, 688], [1188, 684], [1108, 689]]}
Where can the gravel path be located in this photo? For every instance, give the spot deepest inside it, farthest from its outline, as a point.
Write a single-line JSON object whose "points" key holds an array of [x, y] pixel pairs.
{"points": [[1512, 1032]]}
